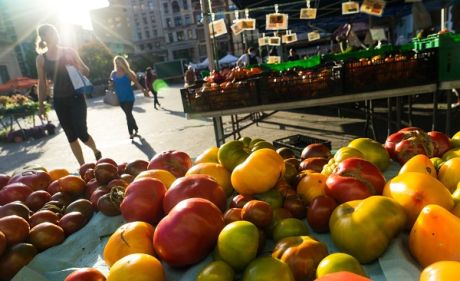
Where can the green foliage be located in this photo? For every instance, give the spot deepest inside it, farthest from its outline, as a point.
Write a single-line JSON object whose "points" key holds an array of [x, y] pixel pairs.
{"points": [[99, 60]]}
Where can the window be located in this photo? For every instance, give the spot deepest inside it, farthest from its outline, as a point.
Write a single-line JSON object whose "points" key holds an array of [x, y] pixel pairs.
{"points": [[155, 33], [139, 36], [166, 8], [180, 36], [198, 18], [175, 7], [200, 34], [185, 4], [170, 37], [144, 19], [157, 44], [147, 34], [168, 22], [152, 19], [4, 76], [149, 46], [141, 46], [151, 5], [178, 21], [187, 20], [190, 34]]}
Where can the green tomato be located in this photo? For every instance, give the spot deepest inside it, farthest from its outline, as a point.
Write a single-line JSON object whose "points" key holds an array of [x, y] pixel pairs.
{"points": [[272, 197], [455, 140], [372, 151], [437, 162], [347, 152], [289, 227], [237, 244], [267, 268], [216, 271], [339, 262]]}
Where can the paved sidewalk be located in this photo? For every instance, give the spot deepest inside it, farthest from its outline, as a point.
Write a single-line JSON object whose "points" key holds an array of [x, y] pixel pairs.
{"points": [[167, 129]]}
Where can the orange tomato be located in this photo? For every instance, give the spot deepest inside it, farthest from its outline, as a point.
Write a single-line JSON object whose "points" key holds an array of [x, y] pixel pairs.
{"points": [[419, 163], [434, 236], [137, 267], [72, 184], [217, 172], [162, 175], [441, 271], [413, 191], [56, 174], [449, 173], [130, 238], [258, 173], [311, 186]]}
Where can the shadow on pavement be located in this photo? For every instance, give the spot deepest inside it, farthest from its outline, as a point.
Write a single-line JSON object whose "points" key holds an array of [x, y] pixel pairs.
{"points": [[138, 109], [173, 112], [144, 146]]}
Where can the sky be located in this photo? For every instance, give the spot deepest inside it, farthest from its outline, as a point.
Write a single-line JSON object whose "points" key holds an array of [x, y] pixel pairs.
{"points": [[76, 11]]}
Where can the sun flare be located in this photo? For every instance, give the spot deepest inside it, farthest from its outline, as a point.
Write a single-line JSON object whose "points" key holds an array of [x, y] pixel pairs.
{"points": [[77, 11]]}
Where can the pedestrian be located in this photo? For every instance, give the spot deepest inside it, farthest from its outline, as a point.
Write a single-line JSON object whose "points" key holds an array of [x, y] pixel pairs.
{"points": [[189, 77], [150, 77], [69, 105], [293, 55], [122, 76], [250, 58]]}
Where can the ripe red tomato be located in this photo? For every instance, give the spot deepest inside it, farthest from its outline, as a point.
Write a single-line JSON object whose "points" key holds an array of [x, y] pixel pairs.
{"points": [[319, 212], [354, 179], [86, 274]]}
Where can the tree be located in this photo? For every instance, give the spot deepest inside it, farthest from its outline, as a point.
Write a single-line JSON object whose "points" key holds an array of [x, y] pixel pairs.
{"points": [[99, 60]]}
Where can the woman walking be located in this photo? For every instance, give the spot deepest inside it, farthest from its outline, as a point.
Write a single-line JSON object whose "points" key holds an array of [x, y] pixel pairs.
{"points": [[69, 105], [121, 77], [150, 77]]}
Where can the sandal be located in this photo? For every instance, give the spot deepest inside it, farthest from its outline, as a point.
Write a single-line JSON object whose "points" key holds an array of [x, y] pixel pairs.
{"points": [[98, 155]]}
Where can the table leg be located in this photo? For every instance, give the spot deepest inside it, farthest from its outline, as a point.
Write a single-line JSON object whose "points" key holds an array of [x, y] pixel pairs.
{"points": [[409, 113], [398, 113], [389, 116], [435, 109], [371, 107], [448, 112], [218, 130]]}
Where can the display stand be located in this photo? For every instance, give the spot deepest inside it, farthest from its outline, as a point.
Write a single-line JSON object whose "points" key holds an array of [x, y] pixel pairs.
{"points": [[368, 96]]}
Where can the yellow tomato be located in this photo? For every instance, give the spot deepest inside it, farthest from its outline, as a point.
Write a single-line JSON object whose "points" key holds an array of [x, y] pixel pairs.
{"points": [[419, 163], [162, 175], [416, 190], [209, 155], [130, 238], [449, 173], [56, 174], [217, 172], [137, 267], [441, 271], [311, 186], [258, 173], [434, 236]]}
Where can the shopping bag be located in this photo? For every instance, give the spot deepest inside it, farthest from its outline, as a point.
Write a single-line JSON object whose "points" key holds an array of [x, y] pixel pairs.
{"points": [[80, 82], [111, 98]]}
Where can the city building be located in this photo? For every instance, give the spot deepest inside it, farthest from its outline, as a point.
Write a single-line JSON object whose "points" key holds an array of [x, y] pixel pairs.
{"points": [[9, 66], [112, 26]]}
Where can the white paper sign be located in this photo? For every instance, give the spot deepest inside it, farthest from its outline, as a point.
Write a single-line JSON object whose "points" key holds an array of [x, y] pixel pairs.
{"points": [[217, 28], [237, 27], [263, 41], [274, 59], [350, 7], [373, 7], [378, 34], [308, 13], [249, 24], [289, 38], [313, 36], [274, 41], [276, 21]]}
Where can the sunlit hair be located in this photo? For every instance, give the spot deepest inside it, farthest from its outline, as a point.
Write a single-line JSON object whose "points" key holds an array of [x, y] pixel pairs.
{"points": [[40, 44], [123, 64]]}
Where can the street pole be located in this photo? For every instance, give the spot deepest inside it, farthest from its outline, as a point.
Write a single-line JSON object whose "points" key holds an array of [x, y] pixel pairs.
{"points": [[207, 37]]}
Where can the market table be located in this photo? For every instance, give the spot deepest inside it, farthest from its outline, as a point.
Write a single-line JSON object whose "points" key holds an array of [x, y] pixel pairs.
{"points": [[85, 248], [339, 99]]}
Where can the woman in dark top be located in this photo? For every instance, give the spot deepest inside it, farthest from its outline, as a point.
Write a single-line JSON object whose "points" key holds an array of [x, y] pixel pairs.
{"points": [[69, 105], [150, 77]]}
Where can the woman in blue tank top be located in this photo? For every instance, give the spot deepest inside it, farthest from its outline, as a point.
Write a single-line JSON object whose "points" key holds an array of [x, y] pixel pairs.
{"points": [[121, 78]]}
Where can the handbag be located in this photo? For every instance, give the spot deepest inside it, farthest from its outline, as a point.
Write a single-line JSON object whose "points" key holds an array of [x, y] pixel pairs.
{"points": [[80, 82]]}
